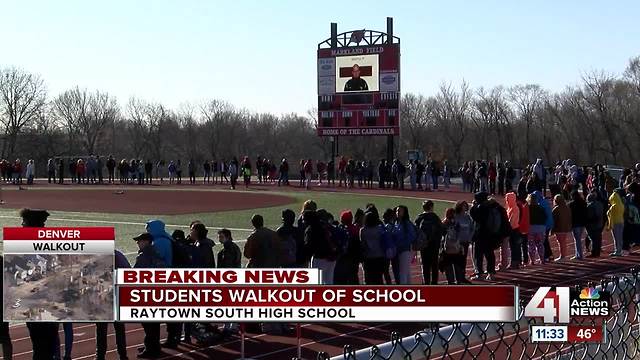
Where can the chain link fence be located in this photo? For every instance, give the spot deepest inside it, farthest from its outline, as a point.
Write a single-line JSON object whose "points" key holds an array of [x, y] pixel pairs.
{"points": [[511, 340]]}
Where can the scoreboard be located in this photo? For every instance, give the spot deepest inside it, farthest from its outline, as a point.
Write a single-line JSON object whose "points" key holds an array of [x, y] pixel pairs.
{"points": [[359, 90]]}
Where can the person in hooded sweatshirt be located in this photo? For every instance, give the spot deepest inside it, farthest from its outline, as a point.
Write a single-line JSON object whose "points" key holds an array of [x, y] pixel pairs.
{"points": [[561, 224], [537, 230], [484, 241], [465, 229], [578, 221], [162, 241], [595, 223], [537, 195], [615, 222], [523, 229], [513, 214]]}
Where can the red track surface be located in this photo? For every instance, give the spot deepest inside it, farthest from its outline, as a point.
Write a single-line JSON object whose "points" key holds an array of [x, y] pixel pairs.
{"points": [[137, 201], [332, 337]]}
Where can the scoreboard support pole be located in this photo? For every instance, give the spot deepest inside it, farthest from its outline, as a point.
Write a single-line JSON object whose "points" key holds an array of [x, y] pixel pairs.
{"points": [[390, 152]]}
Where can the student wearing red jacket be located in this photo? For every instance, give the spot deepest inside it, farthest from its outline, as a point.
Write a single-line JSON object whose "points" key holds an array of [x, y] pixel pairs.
{"points": [[523, 229]]}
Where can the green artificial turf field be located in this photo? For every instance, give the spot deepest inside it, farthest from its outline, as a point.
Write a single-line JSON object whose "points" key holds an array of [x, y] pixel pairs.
{"points": [[129, 225]]}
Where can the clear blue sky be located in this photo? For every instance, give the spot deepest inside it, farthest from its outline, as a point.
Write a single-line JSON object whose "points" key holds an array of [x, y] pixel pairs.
{"points": [[262, 54]]}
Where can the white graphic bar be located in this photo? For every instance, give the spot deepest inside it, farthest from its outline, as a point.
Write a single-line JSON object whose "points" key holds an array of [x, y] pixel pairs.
{"points": [[320, 314], [59, 247]]}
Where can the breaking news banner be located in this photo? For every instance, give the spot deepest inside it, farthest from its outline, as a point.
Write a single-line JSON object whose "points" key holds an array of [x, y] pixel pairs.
{"points": [[218, 276], [315, 303], [58, 274]]}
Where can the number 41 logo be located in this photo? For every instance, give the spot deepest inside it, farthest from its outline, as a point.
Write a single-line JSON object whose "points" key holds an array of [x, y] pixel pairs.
{"points": [[552, 306]]}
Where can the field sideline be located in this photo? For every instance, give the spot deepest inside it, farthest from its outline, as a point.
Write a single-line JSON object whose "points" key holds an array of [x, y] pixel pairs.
{"points": [[129, 225]]}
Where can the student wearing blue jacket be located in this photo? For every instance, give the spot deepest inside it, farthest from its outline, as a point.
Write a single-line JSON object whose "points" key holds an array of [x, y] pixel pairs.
{"points": [[405, 236], [537, 195], [162, 241]]}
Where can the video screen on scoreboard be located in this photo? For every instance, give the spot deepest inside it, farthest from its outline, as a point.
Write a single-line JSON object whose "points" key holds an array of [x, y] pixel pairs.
{"points": [[357, 73]]}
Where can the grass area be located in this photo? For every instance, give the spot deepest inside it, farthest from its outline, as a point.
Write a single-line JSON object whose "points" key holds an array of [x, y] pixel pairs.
{"points": [[129, 225]]}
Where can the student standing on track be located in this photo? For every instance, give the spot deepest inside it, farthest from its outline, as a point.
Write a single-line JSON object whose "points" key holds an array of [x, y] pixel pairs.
{"points": [[484, 236], [615, 222], [111, 168], [245, 169], [121, 262], [429, 242], [372, 249], [465, 229], [513, 213], [578, 220], [284, 173], [537, 230], [60, 171], [230, 257], [595, 224], [406, 232], [261, 245], [51, 171], [191, 168], [233, 173], [148, 257], [561, 224], [206, 166], [44, 335]]}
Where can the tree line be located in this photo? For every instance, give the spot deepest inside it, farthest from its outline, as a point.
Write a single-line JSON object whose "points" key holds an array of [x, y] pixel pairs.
{"points": [[596, 121]]}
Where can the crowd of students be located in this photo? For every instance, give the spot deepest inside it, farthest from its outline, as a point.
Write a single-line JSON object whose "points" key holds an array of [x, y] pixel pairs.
{"points": [[384, 244]]}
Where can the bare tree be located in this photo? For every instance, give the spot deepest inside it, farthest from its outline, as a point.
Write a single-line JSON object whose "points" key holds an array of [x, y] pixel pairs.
{"points": [[22, 100], [526, 100], [451, 110], [415, 112], [215, 115]]}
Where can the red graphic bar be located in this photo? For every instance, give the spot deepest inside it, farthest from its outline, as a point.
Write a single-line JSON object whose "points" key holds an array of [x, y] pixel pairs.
{"points": [[330, 296], [582, 333], [59, 233]]}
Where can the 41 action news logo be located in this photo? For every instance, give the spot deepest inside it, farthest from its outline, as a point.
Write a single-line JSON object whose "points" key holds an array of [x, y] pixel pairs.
{"points": [[560, 305]]}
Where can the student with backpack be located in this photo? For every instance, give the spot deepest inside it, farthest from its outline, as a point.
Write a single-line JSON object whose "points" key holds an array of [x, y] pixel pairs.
{"points": [[290, 237], [372, 249], [451, 259], [319, 245], [490, 223], [428, 242], [348, 262], [465, 229]]}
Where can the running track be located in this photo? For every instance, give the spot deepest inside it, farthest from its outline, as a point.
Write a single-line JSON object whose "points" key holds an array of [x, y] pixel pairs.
{"points": [[332, 337]]}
